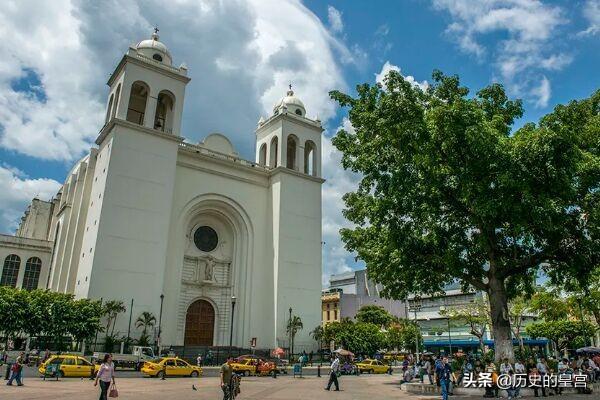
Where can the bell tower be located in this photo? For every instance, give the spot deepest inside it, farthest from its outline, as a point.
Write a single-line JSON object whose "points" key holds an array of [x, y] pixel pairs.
{"points": [[146, 89], [290, 139], [289, 144]]}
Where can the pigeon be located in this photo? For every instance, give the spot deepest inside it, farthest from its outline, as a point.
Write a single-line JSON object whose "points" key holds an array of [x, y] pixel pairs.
{"points": [[194, 387]]}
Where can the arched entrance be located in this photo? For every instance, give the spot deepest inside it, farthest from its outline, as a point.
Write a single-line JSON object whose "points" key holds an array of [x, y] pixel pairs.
{"points": [[199, 324]]}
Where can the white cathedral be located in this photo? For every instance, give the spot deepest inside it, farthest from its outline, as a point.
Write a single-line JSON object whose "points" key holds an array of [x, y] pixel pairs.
{"points": [[185, 228]]}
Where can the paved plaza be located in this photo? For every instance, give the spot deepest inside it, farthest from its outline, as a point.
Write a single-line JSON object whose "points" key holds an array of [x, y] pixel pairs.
{"points": [[371, 387]]}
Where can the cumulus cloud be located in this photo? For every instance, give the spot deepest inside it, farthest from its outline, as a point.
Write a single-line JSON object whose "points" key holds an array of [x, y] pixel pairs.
{"points": [[338, 182], [387, 67], [17, 191], [591, 12], [335, 19], [530, 30]]}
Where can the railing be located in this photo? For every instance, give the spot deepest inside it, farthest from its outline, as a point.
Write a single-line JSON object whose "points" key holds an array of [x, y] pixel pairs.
{"points": [[194, 148], [135, 116]]}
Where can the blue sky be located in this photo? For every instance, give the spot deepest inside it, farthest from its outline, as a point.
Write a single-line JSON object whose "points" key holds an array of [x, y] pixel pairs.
{"points": [[242, 54]]}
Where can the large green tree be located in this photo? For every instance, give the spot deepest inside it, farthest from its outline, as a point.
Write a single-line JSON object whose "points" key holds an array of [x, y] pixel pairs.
{"points": [[374, 314], [562, 333], [475, 315], [360, 337], [448, 192]]}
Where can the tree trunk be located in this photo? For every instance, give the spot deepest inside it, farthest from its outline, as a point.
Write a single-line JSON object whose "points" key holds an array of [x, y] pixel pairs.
{"points": [[503, 346]]}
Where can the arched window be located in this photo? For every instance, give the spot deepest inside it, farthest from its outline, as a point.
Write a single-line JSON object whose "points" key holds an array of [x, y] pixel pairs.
{"points": [[10, 271], [109, 109], [310, 159], [292, 146], [117, 97], [32, 273], [163, 118], [262, 154], [136, 109], [273, 153]]}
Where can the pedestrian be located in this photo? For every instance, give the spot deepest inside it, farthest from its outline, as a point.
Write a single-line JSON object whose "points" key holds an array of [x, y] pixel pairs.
{"points": [[105, 375], [466, 370], [333, 378], [519, 370], [199, 360], [16, 371], [446, 376], [505, 367], [226, 381], [491, 369], [535, 382]]}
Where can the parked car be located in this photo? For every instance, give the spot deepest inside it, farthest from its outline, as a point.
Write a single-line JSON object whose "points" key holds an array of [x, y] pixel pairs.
{"points": [[67, 365], [170, 366], [373, 367]]}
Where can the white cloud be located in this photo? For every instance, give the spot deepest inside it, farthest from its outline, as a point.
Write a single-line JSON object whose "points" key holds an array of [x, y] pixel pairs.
{"points": [[543, 92], [591, 12], [387, 67], [17, 191], [334, 17], [531, 30], [338, 182]]}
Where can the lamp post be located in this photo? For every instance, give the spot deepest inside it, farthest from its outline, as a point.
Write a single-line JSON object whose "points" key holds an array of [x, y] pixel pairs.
{"points": [[231, 327], [416, 307], [444, 308], [162, 297], [290, 333]]}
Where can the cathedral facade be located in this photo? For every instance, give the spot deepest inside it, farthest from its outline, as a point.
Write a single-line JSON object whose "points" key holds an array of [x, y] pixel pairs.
{"points": [[191, 232]]}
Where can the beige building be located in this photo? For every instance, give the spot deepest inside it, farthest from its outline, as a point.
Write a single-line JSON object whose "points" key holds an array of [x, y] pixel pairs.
{"points": [[185, 229]]}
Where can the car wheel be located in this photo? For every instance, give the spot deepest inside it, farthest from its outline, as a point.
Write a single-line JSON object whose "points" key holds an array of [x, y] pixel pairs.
{"points": [[194, 374], [246, 373], [371, 371], [160, 374]]}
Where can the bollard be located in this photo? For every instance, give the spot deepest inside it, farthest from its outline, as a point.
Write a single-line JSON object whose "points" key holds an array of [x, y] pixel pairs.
{"points": [[318, 371]]}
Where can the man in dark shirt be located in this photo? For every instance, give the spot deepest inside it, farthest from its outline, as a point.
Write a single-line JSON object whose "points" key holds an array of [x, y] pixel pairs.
{"points": [[446, 375]]}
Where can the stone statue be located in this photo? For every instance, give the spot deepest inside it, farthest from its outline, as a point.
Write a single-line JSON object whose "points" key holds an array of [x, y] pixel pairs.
{"points": [[208, 270]]}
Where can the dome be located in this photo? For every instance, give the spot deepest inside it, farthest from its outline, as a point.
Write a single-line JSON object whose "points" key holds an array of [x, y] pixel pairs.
{"points": [[154, 49], [291, 102]]}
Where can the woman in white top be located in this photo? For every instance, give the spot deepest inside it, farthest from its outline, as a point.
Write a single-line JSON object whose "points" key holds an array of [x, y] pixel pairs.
{"points": [[105, 375]]}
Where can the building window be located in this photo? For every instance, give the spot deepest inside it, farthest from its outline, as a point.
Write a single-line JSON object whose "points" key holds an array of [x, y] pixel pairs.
{"points": [[335, 314], [157, 57], [206, 239], [31, 278], [10, 271], [328, 315]]}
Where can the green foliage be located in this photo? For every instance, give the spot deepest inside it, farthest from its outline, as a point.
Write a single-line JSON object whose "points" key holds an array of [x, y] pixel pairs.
{"points": [[549, 305], [374, 314], [293, 326], [112, 309], [448, 192], [476, 315], [563, 333], [41, 312], [404, 335], [318, 334], [359, 337]]}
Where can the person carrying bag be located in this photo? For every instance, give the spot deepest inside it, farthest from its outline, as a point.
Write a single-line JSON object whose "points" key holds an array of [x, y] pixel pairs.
{"points": [[113, 391]]}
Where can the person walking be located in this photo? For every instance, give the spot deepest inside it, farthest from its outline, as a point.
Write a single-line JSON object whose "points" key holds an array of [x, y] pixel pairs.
{"points": [[105, 375], [16, 371], [446, 377], [335, 367], [226, 375], [199, 360]]}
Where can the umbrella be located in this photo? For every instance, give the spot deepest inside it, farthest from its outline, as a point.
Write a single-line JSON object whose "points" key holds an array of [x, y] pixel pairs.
{"points": [[589, 350], [343, 352]]}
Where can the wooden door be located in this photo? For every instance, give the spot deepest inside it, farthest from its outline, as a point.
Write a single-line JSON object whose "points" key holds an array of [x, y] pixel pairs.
{"points": [[199, 324]]}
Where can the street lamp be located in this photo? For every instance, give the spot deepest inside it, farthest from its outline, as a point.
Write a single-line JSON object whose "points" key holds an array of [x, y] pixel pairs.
{"points": [[162, 297], [416, 307], [290, 333], [443, 308], [231, 327]]}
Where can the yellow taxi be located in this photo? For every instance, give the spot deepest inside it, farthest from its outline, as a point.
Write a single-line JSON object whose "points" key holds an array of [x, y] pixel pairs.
{"points": [[170, 366], [67, 365], [246, 366], [372, 367]]}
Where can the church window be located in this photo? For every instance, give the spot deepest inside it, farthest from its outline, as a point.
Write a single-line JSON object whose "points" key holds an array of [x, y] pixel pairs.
{"points": [[10, 271], [206, 239], [157, 57], [335, 314], [163, 118], [273, 153], [136, 109], [32, 273], [298, 112], [113, 112], [310, 159], [262, 154], [292, 145], [109, 108]]}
